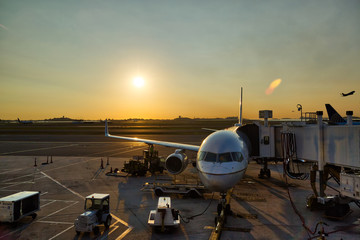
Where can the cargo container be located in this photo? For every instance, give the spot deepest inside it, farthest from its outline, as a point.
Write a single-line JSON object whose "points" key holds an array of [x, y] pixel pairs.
{"points": [[18, 205]]}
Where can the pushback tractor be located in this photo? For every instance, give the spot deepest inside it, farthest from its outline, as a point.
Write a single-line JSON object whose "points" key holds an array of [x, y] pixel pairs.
{"points": [[97, 212]]}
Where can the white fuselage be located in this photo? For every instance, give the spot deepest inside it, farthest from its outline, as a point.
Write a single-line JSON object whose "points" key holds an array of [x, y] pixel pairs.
{"points": [[222, 160]]}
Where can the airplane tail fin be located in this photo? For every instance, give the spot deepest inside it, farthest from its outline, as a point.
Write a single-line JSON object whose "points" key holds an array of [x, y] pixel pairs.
{"points": [[19, 120], [334, 116], [240, 108]]}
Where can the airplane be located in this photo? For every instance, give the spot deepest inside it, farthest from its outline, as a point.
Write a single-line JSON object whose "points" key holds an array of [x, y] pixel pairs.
{"points": [[222, 158], [347, 94], [24, 122], [334, 116]]}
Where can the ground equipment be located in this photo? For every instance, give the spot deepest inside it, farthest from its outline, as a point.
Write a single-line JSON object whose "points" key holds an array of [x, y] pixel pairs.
{"points": [[164, 216], [139, 165], [97, 212], [18, 205]]}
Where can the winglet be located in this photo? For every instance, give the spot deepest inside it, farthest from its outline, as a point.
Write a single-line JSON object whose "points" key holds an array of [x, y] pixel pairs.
{"points": [[106, 129]]}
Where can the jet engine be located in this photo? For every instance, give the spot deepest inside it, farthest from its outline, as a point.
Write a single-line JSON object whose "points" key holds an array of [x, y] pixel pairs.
{"points": [[176, 163]]}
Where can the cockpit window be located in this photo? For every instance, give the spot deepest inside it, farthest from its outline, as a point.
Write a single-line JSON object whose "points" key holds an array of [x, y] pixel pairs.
{"points": [[237, 156], [201, 156], [225, 157], [222, 157], [210, 157]]}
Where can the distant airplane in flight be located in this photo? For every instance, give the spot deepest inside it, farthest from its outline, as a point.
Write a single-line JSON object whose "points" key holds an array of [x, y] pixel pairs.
{"points": [[347, 94]]}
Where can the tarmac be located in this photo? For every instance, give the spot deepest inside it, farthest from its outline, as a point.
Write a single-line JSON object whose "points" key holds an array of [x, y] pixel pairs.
{"points": [[261, 207]]}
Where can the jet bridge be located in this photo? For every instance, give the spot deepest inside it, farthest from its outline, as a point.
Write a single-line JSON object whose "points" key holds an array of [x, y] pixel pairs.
{"points": [[311, 148]]}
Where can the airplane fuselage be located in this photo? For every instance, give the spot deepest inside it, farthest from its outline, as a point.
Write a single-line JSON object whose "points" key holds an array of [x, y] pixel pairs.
{"points": [[222, 160]]}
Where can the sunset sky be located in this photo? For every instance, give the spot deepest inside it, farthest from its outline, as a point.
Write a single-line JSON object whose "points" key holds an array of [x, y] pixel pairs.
{"points": [[79, 58]]}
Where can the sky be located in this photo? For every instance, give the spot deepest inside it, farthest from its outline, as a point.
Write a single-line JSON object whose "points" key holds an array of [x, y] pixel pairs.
{"points": [[78, 58]]}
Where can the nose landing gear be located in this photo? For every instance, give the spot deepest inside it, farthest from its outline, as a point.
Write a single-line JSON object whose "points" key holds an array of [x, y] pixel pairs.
{"points": [[223, 210]]}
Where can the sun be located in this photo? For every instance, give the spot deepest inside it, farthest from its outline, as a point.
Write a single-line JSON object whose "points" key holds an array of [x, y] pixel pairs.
{"points": [[138, 81]]}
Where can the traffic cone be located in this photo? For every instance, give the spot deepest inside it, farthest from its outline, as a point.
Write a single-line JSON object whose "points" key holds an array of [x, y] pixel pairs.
{"points": [[102, 164]]}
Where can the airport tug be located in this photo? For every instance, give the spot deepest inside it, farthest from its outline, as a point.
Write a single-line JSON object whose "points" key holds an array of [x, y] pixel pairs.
{"points": [[97, 212], [164, 216]]}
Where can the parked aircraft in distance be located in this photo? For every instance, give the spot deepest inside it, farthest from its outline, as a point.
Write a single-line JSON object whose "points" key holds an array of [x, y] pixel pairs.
{"points": [[24, 122], [222, 158], [347, 94], [335, 118]]}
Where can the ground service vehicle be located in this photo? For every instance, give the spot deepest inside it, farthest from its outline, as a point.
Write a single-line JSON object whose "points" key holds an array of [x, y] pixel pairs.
{"points": [[18, 205], [164, 216], [97, 212]]}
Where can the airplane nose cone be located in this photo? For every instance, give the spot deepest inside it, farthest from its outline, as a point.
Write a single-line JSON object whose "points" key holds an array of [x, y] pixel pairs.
{"points": [[222, 160], [220, 182]]}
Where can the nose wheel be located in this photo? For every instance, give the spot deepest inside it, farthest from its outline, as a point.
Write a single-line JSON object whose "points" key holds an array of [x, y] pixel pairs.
{"points": [[223, 210]]}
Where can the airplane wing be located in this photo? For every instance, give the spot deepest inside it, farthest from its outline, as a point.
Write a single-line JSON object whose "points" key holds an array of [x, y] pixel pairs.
{"points": [[210, 129], [155, 142]]}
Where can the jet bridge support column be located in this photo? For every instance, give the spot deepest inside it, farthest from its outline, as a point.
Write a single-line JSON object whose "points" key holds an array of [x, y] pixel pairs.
{"points": [[349, 117], [321, 162]]}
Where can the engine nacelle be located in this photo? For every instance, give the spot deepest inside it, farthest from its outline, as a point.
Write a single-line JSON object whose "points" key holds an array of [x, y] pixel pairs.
{"points": [[176, 163]]}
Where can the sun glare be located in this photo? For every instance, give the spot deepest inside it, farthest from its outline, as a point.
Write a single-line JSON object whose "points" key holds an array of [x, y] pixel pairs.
{"points": [[274, 84], [138, 81]]}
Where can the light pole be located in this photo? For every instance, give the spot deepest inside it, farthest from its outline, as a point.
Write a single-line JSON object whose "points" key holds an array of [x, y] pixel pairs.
{"points": [[299, 107]]}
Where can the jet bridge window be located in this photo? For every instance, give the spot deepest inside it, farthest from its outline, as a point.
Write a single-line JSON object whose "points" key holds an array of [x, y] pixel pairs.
{"points": [[237, 156]]}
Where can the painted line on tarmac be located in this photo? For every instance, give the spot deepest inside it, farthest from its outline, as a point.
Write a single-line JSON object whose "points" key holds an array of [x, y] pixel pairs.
{"points": [[121, 221], [48, 203], [37, 149], [61, 232], [14, 170], [109, 232], [65, 201], [125, 233], [77, 194], [57, 211], [91, 159], [73, 192], [114, 228], [18, 183], [54, 222], [11, 190], [8, 180]]}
